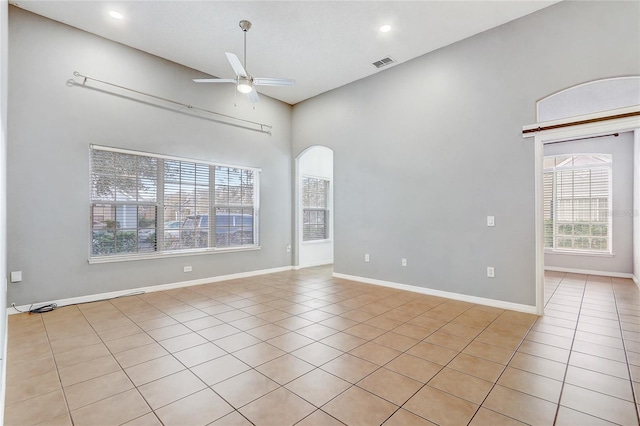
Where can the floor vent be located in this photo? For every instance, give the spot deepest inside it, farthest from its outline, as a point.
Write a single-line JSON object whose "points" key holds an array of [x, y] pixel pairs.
{"points": [[384, 62]]}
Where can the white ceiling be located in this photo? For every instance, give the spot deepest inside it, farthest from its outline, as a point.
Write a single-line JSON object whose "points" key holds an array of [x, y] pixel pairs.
{"points": [[320, 44]]}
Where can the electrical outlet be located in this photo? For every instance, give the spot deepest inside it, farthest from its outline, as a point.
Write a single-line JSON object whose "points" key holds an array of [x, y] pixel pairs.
{"points": [[491, 273], [188, 269], [288, 248], [404, 262], [366, 257], [491, 221]]}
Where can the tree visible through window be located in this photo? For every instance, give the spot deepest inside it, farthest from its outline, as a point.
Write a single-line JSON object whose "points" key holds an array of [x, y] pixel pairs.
{"points": [[143, 204], [577, 202], [315, 212]]}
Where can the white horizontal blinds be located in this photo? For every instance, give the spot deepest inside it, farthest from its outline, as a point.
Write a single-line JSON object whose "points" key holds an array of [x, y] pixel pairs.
{"points": [[548, 209], [186, 200], [235, 207], [125, 198], [123, 177], [315, 197], [123, 203], [582, 202]]}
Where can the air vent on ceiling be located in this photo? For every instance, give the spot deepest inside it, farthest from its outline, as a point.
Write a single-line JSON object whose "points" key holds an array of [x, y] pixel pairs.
{"points": [[384, 62]]}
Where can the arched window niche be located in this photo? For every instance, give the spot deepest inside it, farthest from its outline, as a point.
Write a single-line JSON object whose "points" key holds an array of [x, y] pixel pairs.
{"points": [[589, 98]]}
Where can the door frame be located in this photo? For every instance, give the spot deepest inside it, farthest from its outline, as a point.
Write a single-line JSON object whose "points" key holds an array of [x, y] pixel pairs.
{"points": [[605, 126]]}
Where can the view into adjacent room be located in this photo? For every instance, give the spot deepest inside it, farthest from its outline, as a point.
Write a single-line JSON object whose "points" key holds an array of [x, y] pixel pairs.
{"points": [[588, 187], [314, 201]]}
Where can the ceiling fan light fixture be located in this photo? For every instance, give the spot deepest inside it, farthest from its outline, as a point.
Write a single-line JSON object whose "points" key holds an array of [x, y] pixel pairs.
{"points": [[244, 81], [244, 86], [115, 14]]}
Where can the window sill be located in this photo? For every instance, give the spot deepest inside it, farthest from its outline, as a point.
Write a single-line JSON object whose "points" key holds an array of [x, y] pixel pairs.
{"points": [[579, 253], [317, 241], [168, 254]]}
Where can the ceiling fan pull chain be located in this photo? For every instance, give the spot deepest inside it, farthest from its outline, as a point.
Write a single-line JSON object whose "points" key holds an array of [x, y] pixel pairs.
{"points": [[235, 98]]}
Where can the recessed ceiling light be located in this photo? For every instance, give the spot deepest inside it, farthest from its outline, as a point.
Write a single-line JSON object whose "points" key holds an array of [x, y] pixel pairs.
{"points": [[385, 28], [116, 15]]}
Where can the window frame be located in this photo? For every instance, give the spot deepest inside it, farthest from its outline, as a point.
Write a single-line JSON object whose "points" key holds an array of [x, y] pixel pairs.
{"points": [[554, 203], [326, 210], [160, 251]]}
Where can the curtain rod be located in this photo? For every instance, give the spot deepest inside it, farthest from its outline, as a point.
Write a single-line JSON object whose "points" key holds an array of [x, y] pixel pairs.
{"points": [[264, 128], [577, 123], [581, 139]]}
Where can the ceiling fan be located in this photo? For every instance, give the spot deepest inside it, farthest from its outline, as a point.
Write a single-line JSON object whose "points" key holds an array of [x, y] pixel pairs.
{"points": [[244, 81]]}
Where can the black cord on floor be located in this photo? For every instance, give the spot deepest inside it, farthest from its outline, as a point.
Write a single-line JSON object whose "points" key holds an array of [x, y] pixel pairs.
{"points": [[39, 310], [42, 309], [51, 306]]}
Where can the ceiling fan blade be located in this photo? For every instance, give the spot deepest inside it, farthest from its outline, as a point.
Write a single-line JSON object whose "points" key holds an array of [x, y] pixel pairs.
{"points": [[214, 80], [236, 64], [253, 96], [265, 81]]}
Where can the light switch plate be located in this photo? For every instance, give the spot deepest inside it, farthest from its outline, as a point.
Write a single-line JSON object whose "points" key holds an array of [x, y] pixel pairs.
{"points": [[491, 221]]}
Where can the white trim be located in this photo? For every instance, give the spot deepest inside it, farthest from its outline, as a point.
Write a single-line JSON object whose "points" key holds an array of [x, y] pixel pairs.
{"points": [[316, 263], [538, 162], [578, 253], [589, 272], [298, 267], [312, 242], [635, 280], [431, 292], [150, 289], [586, 127], [539, 139], [164, 255]]}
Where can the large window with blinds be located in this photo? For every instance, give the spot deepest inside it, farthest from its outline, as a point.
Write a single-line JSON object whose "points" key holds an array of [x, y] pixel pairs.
{"points": [[577, 203], [315, 209], [144, 205]]}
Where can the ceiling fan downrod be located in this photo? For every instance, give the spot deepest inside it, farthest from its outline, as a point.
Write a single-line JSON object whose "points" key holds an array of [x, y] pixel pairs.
{"points": [[245, 26]]}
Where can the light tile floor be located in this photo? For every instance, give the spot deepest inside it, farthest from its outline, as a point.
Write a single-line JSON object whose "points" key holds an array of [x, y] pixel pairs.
{"points": [[303, 348]]}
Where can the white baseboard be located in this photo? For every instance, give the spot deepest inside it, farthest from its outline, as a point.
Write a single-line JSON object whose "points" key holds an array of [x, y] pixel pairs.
{"points": [[589, 272], [635, 280], [311, 265], [431, 292], [159, 287]]}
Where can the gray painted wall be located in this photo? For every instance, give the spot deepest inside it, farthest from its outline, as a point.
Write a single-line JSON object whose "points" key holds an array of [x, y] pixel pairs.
{"points": [[51, 126], [4, 53], [424, 151], [621, 149]]}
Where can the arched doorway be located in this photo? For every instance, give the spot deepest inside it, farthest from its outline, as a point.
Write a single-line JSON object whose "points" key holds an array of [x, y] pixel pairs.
{"points": [[314, 207]]}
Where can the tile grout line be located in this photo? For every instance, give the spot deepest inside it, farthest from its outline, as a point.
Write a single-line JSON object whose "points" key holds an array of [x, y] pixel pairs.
{"points": [[626, 356], [287, 287], [55, 362], [116, 360], [500, 375], [573, 339]]}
